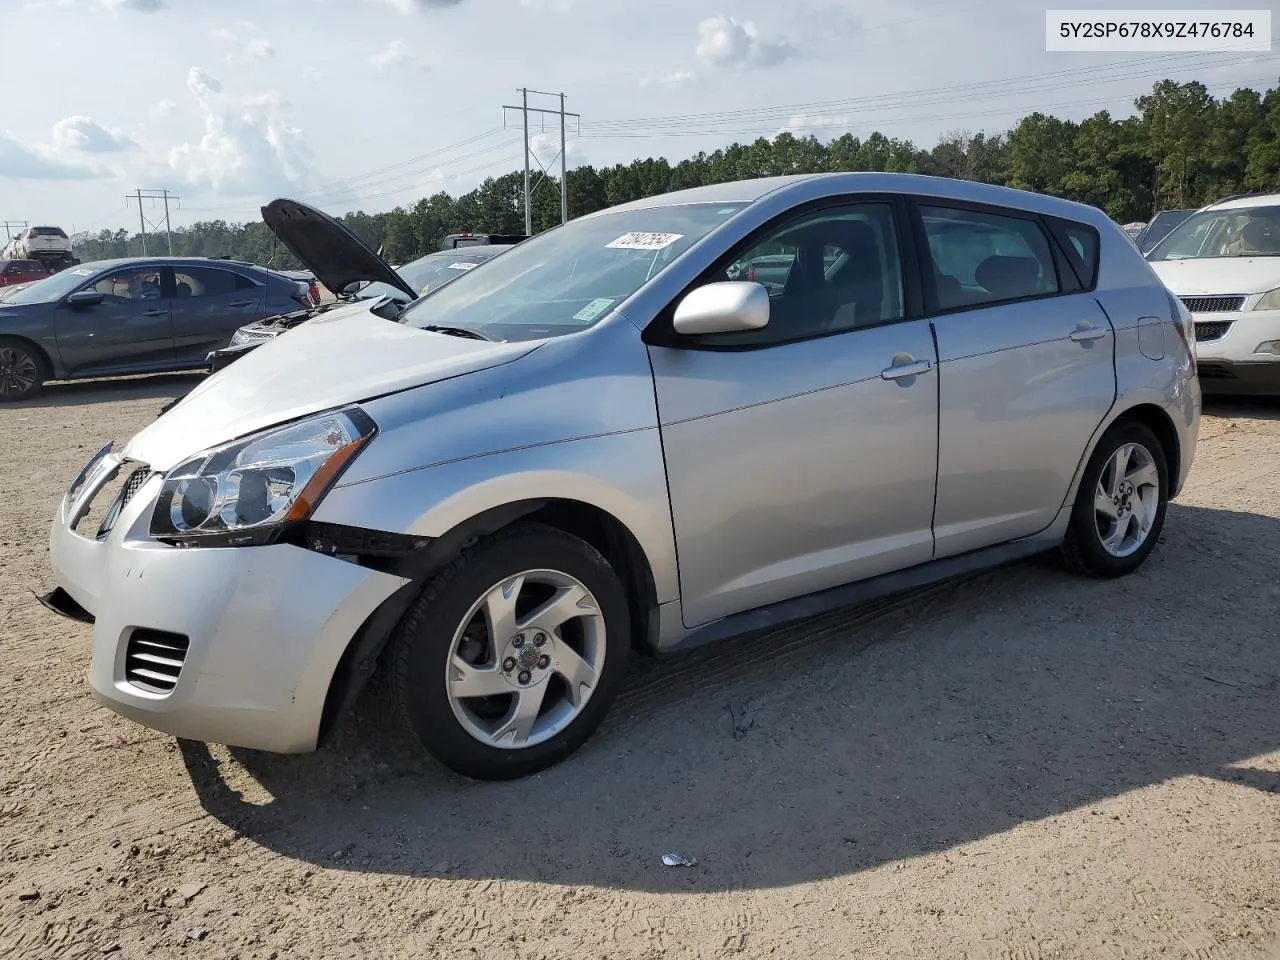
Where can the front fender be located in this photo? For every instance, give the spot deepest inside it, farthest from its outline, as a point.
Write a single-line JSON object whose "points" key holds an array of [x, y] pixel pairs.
{"points": [[621, 474]]}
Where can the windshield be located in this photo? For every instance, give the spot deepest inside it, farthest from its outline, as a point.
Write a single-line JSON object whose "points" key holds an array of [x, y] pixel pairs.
{"points": [[1246, 232], [427, 274], [51, 288], [566, 279]]}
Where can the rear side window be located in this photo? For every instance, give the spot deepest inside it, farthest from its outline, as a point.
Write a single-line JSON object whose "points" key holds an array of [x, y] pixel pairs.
{"points": [[203, 282], [1082, 246], [983, 258], [47, 232]]}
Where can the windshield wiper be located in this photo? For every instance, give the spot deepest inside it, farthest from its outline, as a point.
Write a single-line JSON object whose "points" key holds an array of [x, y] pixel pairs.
{"points": [[457, 332]]}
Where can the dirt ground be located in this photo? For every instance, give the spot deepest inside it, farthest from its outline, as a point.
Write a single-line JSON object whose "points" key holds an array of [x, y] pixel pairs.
{"points": [[1017, 765]]}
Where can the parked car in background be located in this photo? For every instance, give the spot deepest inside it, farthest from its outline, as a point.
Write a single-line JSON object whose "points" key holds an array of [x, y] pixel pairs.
{"points": [[1223, 262], [14, 272], [489, 495], [310, 233], [129, 316], [455, 240], [1133, 230], [1159, 228]]}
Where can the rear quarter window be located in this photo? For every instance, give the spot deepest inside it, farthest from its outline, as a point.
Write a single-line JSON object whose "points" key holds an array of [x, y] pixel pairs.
{"points": [[1082, 244]]}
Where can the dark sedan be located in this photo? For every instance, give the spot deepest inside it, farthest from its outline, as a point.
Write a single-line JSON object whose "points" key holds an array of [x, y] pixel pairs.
{"points": [[117, 317]]}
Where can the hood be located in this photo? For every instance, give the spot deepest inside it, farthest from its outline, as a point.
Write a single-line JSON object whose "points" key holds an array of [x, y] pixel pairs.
{"points": [[333, 253], [343, 357], [1220, 276]]}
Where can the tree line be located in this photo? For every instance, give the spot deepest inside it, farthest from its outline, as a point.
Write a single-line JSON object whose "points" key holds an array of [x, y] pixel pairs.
{"points": [[1181, 148]]}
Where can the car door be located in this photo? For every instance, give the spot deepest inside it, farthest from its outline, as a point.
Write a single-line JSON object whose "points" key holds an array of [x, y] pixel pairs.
{"points": [[129, 329], [1025, 367], [209, 304], [803, 455]]}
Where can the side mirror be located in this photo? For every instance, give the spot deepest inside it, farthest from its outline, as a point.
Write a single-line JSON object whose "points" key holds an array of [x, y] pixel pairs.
{"points": [[85, 298], [727, 307], [351, 289]]}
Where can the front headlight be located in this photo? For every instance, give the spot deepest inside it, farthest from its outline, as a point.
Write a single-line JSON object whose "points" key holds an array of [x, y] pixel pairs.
{"points": [[246, 492], [1269, 300]]}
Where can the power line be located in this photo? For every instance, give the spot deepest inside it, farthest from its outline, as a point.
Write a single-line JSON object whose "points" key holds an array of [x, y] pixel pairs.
{"points": [[525, 110], [153, 195]]}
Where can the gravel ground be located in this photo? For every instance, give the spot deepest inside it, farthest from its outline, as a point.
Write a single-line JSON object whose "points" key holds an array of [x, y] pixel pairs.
{"points": [[1017, 764]]}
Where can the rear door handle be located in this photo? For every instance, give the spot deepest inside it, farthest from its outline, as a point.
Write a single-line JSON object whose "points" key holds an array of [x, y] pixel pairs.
{"points": [[155, 313], [911, 368], [1083, 333], [240, 303]]}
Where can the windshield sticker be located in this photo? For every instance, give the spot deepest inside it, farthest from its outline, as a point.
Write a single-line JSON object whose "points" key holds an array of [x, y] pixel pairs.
{"points": [[422, 292], [645, 241], [593, 309], [461, 265], [726, 211], [82, 272]]}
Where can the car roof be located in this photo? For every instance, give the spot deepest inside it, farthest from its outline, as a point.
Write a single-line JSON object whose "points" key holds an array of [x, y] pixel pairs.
{"points": [[752, 191], [1244, 203], [97, 265]]}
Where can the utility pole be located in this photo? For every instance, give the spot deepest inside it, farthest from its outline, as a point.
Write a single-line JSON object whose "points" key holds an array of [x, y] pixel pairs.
{"points": [[153, 195], [12, 224], [529, 190], [528, 213]]}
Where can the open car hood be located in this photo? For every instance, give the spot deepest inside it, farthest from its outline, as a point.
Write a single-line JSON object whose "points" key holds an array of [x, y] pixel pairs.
{"points": [[333, 253]]}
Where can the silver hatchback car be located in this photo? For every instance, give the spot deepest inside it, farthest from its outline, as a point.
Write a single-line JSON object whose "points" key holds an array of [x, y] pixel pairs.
{"points": [[618, 437]]}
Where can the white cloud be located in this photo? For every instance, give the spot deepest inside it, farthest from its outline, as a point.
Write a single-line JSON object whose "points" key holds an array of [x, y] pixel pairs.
{"points": [[161, 109], [143, 6], [397, 55], [674, 80], [546, 147], [20, 162], [244, 49], [83, 135], [413, 6], [821, 126], [726, 42], [201, 82], [549, 6], [247, 149]]}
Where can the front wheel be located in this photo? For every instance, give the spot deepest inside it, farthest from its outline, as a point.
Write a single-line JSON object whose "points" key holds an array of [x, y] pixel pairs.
{"points": [[510, 658], [1120, 507], [22, 371]]}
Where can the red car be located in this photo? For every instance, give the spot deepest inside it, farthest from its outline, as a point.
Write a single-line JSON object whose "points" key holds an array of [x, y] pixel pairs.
{"points": [[21, 271]]}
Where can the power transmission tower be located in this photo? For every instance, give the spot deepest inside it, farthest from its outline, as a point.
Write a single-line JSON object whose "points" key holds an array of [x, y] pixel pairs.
{"points": [[525, 110], [11, 224], [153, 195]]}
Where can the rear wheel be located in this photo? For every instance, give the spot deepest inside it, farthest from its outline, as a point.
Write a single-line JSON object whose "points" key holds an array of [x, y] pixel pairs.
{"points": [[510, 658], [22, 369], [1120, 507]]}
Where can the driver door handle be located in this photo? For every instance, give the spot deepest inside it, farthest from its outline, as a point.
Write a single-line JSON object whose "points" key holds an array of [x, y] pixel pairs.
{"points": [[155, 313], [900, 371], [240, 303]]}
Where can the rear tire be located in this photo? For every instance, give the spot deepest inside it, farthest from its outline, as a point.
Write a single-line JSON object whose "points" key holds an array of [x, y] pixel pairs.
{"points": [[510, 658], [23, 370], [1120, 507]]}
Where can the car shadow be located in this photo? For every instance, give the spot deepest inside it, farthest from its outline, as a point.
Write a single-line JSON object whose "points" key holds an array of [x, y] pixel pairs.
{"points": [[1254, 408], [67, 393], [866, 736]]}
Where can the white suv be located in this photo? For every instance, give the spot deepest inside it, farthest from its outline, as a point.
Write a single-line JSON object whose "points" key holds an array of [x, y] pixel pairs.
{"points": [[1223, 262]]}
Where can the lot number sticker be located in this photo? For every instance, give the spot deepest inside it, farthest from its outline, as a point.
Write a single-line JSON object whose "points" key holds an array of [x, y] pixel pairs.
{"points": [[593, 310], [461, 266], [644, 241]]}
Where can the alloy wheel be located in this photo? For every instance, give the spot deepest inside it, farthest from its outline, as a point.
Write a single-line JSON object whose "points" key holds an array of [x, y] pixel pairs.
{"points": [[18, 372], [1126, 500], [525, 659]]}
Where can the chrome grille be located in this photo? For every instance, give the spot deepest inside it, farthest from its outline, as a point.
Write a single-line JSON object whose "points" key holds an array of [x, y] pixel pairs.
{"points": [[111, 498], [1212, 331], [154, 658], [1212, 304]]}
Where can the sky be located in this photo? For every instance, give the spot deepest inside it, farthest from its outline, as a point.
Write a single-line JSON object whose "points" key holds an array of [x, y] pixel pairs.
{"points": [[370, 104]]}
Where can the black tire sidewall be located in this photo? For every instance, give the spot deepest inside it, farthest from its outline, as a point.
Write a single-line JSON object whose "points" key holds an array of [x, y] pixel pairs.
{"points": [[42, 368], [423, 642], [1083, 533]]}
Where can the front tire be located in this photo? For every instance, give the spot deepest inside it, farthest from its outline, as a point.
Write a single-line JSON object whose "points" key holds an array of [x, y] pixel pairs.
{"points": [[1120, 507], [22, 369], [512, 655]]}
